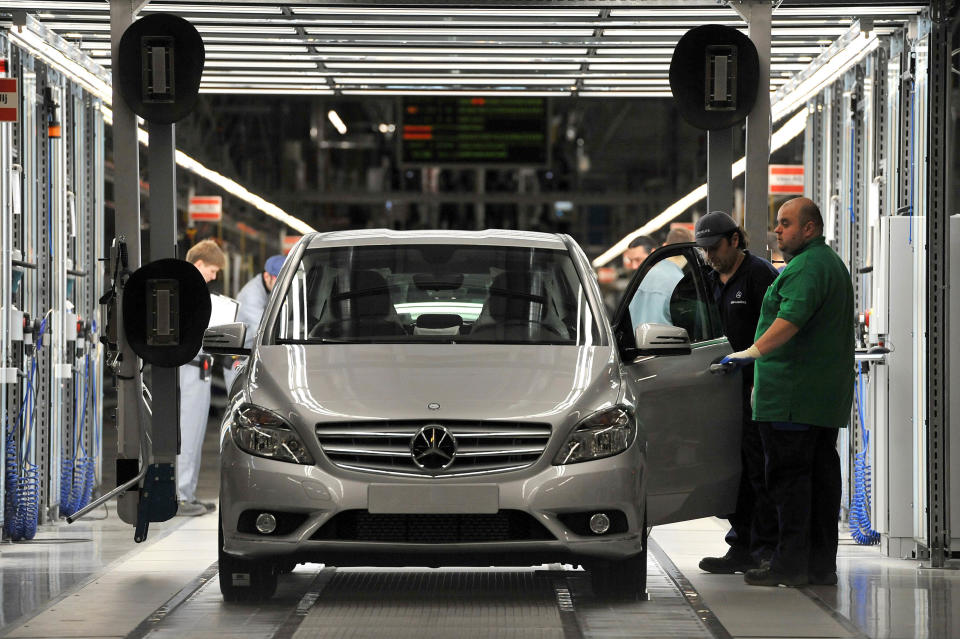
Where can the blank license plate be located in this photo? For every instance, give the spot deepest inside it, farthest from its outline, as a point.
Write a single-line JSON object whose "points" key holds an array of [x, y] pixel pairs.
{"points": [[400, 499]]}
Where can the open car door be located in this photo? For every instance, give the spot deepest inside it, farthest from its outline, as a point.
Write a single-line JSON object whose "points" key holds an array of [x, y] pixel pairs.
{"points": [[690, 416]]}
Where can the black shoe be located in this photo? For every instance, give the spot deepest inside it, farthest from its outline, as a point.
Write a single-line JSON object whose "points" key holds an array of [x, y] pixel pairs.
{"points": [[823, 579], [726, 565], [769, 577]]}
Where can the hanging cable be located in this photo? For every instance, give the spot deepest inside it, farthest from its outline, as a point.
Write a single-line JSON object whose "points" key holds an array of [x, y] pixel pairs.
{"points": [[23, 495], [861, 528], [76, 484]]}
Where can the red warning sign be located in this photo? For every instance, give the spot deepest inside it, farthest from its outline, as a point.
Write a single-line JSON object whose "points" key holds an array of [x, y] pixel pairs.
{"points": [[9, 100], [206, 208], [786, 179]]}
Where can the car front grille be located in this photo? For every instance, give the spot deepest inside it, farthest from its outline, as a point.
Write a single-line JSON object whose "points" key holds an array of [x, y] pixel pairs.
{"points": [[385, 446], [360, 525]]}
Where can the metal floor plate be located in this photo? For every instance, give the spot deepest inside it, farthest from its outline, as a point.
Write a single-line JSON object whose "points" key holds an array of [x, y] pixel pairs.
{"points": [[435, 603], [458, 603]]}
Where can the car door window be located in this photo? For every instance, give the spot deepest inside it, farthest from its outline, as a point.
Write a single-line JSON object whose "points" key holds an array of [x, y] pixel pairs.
{"points": [[669, 288]]}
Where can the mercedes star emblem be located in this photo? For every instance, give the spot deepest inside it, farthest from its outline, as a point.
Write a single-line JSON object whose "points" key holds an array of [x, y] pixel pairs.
{"points": [[433, 447]]}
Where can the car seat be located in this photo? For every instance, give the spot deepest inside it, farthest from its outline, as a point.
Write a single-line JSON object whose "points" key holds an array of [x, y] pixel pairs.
{"points": [[366, 310], [512, 312]]}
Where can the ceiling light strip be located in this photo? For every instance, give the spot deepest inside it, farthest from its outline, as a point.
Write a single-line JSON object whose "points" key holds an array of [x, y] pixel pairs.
{"points": [[482, 93], [846, 52], [73, 63], [791, 129]]}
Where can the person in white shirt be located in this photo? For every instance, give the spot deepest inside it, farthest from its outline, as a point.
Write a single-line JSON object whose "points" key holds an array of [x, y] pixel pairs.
{"points": [[195, 397]]}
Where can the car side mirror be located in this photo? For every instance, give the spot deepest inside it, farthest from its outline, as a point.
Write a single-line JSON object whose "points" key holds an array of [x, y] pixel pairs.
{"points": [[226, 339], [661, 339]]}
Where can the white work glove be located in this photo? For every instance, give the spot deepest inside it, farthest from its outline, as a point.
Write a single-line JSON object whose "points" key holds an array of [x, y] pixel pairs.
{"points": [[742, 358]]}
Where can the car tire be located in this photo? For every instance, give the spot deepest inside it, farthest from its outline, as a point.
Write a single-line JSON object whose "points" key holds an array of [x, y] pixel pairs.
{"points": [[622, 579], [245, 579]]}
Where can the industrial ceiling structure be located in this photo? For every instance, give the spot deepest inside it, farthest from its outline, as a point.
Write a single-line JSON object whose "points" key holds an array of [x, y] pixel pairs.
{"points": [[581, 48]]}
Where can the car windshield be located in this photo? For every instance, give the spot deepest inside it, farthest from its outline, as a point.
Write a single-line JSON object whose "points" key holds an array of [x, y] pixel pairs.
{"points": [[436, 293]]}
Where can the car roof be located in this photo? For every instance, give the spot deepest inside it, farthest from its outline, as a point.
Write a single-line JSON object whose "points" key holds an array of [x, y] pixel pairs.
{"points": [[489, 237]]}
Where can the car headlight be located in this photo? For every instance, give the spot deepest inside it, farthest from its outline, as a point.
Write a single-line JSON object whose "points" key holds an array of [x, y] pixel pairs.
{"points": [[265, 434], [603, 434]]}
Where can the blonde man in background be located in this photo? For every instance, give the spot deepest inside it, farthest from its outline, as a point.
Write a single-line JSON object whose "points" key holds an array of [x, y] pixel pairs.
{"points": [[209, 259]]}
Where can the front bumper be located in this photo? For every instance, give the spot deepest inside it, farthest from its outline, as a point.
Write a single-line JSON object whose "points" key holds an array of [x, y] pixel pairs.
{"points": [[320, 492]]}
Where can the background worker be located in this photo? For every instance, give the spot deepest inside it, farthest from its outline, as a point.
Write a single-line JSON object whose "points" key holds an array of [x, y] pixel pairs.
{"points": [[803, 392], [253, 301], [738, 282], [195, 397], [637, 251]]}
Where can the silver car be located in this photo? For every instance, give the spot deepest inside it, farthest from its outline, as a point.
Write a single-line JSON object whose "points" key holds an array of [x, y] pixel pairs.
{"points": [[461, 398]]}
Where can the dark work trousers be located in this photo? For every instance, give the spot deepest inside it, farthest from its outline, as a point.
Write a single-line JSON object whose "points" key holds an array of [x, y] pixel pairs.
{"points": [[753, 526], [803, 476]]}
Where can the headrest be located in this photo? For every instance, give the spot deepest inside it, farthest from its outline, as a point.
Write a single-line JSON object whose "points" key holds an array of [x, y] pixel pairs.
{"points": [[512, 297], [370, 295]]}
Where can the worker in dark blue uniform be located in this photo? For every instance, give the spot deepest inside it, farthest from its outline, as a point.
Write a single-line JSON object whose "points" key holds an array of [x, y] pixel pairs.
{"points": [[739, 281]]}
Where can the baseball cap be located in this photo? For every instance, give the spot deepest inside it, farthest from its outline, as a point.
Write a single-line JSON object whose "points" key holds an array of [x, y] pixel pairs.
{"points": [[273, 264], [712, 226]]}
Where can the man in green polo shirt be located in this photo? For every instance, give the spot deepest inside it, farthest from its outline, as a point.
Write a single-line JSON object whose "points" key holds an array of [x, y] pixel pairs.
{"points": [[803, 391]]}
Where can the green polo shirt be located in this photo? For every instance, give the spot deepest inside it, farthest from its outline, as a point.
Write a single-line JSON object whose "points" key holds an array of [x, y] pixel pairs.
{"points": [[808, 380]]}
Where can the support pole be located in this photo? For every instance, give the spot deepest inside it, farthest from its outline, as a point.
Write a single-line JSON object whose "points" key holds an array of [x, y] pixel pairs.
{"points": [[165, 419], [719, 159], [755, 203], [938, 284], [126, 196]]}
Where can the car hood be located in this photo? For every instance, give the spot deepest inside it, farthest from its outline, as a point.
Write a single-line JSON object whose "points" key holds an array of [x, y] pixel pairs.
{"points": [[336, 382]]}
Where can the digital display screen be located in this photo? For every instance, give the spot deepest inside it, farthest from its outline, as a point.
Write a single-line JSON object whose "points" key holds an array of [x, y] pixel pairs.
{"points": [[474, 131]]}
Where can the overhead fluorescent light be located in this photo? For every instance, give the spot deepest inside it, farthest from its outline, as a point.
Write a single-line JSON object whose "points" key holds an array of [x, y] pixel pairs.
{"points": [[664, 12], [304, 79], [64, 57], [456, 79], [791, 129], [452, 31], [257, 64], [374, 51], [75, 64], [547, 66], [596, 92], [337, 123], [54, 5], [196, 7], [483, 93], [850, 10], [447, 11], [663, 68], [848, 51], [637, 81], [271, 90]]}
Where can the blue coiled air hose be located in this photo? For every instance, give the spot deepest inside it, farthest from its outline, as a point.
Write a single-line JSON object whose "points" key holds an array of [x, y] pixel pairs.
{"points": [[861, 528], [22, 498], [76, 483]]}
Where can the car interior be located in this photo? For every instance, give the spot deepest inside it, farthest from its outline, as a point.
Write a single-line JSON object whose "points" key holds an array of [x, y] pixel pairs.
{"points": [[422, 294]]}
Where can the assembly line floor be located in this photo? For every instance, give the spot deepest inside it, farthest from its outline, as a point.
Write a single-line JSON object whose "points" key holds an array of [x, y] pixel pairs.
{"points": [[91, 580]]}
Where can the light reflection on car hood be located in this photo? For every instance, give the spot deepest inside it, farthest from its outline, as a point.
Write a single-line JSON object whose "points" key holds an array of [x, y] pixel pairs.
{"points": [[334, 382]]}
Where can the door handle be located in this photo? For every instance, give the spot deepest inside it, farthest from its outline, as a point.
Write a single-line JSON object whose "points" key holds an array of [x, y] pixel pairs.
{"points": [[722, 369]]}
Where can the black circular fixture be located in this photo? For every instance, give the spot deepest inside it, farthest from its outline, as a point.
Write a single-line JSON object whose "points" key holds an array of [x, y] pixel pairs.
{"points": [[714, 76]]}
